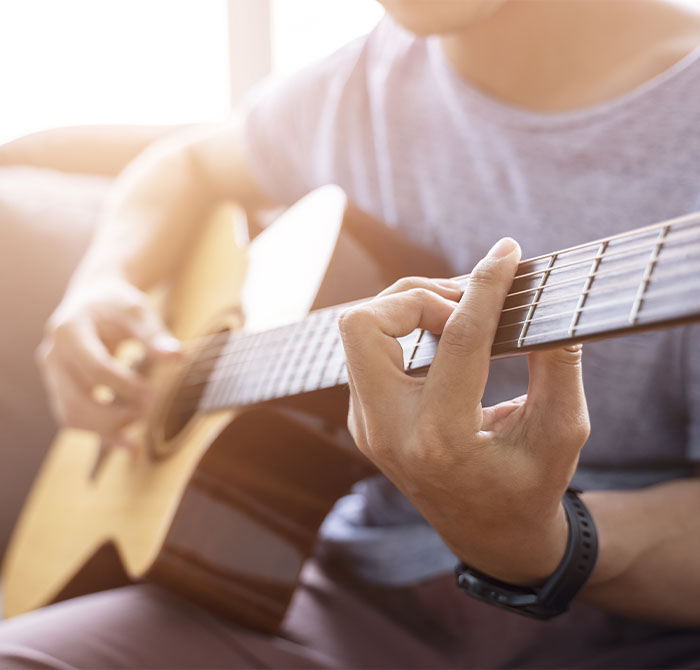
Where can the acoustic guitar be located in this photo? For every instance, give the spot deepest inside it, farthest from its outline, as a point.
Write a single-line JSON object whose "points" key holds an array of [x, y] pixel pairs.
{"points": [[247, 450]]}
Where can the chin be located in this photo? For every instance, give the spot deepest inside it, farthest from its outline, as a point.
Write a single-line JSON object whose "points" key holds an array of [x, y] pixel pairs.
{"points": [[439, 17]]}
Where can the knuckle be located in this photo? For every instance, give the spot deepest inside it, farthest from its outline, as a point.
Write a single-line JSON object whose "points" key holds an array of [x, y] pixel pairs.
{"points": [[463, 333], [582, 428], [134, 311], [404, 284], [573, 429], [421, 294], [353, 320], [485, 273], [61, 332], [571, 355], [407, 283]]}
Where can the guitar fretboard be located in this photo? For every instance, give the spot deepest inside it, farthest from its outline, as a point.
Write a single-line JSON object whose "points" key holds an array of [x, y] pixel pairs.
{"points": [[637, 280]]}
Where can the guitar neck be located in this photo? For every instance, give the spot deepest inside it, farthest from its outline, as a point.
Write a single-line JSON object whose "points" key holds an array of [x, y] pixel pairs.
{"points": [[647, 278]]}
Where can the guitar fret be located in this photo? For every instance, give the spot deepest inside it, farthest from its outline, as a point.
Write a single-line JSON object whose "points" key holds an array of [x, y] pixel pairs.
{"points": [[576, 293], [250, 372], [648, 270], [302, 368], [330, 338], [587, 287], [292, 352], [414, 352], [217, 392], [535, 300], [334, 366]]}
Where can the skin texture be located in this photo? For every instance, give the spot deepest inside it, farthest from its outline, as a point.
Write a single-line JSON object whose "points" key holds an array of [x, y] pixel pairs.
{"points": [[427, 17], [434, 438]]}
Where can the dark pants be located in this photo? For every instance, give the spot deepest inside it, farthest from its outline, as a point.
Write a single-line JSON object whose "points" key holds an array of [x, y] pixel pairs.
{"points": [[334, 623]]}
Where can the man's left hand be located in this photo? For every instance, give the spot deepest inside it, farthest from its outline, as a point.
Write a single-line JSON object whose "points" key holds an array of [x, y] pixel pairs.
{"points": [[490, 480]]}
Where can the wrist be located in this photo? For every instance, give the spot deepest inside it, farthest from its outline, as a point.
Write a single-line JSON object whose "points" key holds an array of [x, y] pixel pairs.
{"points": [[554, 595], [519, 551]]}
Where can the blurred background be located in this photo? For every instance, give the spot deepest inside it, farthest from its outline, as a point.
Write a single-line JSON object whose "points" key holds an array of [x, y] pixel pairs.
{"points": [[155, 61], [77, 64]]}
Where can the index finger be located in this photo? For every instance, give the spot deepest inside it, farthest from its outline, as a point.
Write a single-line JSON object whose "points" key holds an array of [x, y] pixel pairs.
{"points": [[369, 331], [460, 367]]}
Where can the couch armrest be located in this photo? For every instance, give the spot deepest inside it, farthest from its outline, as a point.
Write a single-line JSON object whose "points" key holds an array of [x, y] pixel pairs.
{"points": [[100, 149]]}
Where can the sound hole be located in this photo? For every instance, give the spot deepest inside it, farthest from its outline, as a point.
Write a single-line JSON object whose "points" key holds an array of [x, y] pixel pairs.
{"points": [[193, 384]]}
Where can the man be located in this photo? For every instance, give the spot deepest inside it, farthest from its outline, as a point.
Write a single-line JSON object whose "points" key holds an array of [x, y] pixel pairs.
{"points": [[458, 123]]}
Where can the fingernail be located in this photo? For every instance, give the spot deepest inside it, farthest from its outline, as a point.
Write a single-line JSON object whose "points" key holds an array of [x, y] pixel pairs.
{"points": [[166, 342], [504, 247]]}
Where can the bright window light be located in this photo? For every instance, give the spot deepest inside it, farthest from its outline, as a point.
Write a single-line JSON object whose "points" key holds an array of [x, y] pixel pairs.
{"points": [[305, 30], [112, 61], [146, 61]]}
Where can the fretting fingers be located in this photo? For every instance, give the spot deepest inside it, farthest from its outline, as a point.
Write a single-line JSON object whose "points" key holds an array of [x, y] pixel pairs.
{"points": [[447, 288], [374, 356], [369, 332], [460, 367]]}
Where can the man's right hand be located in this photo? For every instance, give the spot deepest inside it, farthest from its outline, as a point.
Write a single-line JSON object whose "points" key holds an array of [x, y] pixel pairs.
{"points": [[77, 356]]}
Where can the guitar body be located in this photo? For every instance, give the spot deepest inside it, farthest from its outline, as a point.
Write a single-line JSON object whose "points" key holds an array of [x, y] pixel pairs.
{"points": [[224, 508]]}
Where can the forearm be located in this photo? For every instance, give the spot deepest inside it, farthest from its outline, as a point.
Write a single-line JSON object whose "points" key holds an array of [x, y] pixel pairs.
{"points": [[161, 200], [102, 149], [649, 559], [153, 210]]}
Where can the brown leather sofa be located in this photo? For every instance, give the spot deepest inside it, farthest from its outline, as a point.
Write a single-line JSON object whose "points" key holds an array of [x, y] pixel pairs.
{"points": [[52, 187]]}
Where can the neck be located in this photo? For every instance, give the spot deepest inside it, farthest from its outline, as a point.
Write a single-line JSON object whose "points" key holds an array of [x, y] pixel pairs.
{"points": [[628, 282], [551, 55]]}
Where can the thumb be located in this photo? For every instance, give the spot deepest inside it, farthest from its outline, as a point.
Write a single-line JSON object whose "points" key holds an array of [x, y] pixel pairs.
{"points": [[152, 332], [556, 394], [164, 344]]}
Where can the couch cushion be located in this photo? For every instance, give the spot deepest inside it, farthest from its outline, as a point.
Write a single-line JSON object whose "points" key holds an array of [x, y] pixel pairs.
{"points": [[46, 218]]}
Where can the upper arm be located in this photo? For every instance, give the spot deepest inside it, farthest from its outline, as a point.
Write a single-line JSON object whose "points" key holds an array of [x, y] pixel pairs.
{"points": [[220, 158]]}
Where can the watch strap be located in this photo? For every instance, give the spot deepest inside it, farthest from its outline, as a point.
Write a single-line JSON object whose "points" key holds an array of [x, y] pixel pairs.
{"points": [[555, 595]]}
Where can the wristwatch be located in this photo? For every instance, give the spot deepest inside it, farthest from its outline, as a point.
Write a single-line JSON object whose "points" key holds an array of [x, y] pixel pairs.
{"points": [[555, 595]]}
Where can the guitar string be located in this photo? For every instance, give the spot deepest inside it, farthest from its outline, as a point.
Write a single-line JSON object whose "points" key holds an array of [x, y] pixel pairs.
{"points": [[282, 366], [607, 254], [625, 252], [597, 293], [264, 380], [242, 336], [192, 343], [211, 341], [425, 360], [273, 361], [671, 252], [236, 354], [595, 327]]}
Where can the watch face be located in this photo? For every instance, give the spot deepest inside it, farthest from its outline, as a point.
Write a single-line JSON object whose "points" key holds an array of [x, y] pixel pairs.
{"points": [[518, 599], [494, 591]]}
